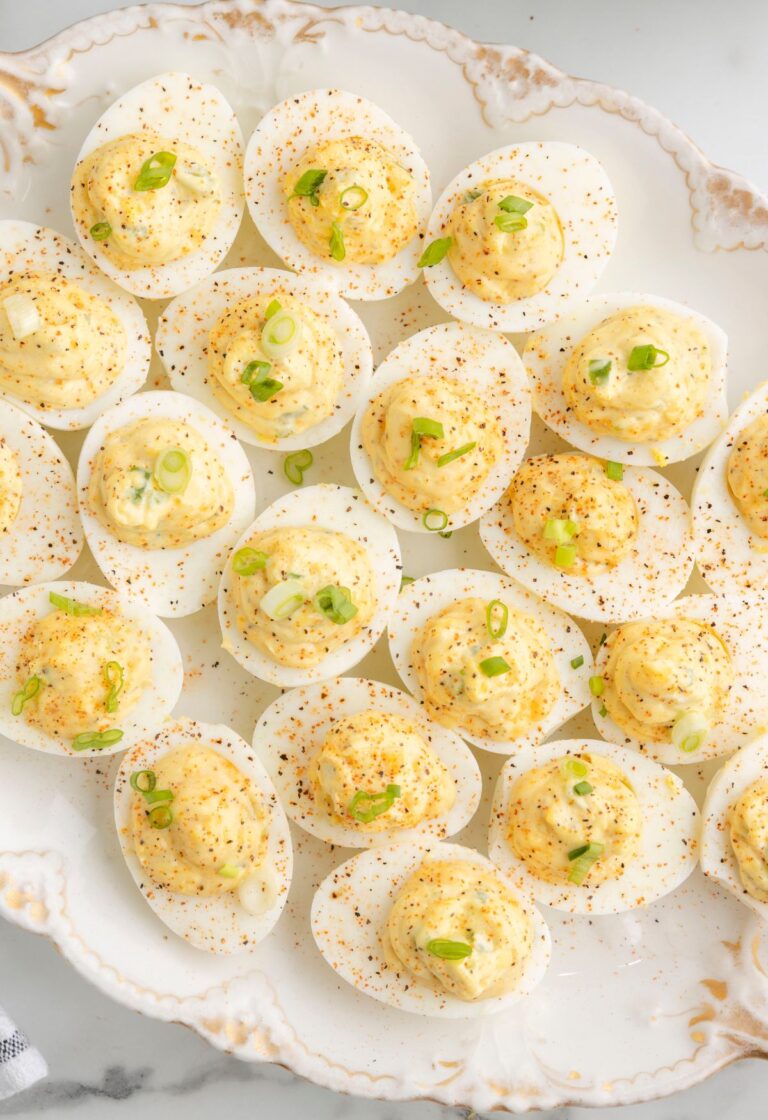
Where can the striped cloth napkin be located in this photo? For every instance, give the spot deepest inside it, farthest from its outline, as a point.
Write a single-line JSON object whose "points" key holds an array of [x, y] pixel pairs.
{"points": [[21, 1065]]}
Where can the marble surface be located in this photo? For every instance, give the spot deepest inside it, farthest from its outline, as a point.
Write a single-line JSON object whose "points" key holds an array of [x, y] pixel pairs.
{"points": [[707, 74]]}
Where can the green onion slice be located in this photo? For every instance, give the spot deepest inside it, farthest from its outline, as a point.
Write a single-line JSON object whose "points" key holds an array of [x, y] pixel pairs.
{"points": [[153, 796], [496, 618], [512, 204], [603, 710], [155, 172], [560, 530], [470, 196], [272, 309], [457, 453], [645, 357], [249, 561], [283, 599], [494, 666], [172, 471], [352, 198], [100, 231], [280, 334], [510, 223], [413, 457], [435, 252], [366, 807], [577, 662], [309, 184], [596, 686], [96, 740], [435, 520], [295, 464], [574, 768], [143, 781], [690, 731], [599, 370], [448, 950], [20, 698], [405, 581], [423, 426], [565, 555], [614, 471], [336, 604], [256, 377], [230, 871], [582, 859], [71, 606], [161, 816], [113, 676], [336, 242], [581, 789]]}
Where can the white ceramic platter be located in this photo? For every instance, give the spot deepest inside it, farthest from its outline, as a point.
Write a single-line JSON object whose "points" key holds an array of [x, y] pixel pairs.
{"points": [[633, 1006]]}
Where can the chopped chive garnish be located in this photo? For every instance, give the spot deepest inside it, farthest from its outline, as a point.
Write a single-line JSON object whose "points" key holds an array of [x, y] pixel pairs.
{"points": [[309, 184], [457, 453], [96, 740], [513, 204], [366, 807], [603, 710], [510, 223], [143, 781], [560, 530], [581, 789], [262, 387], [565, 555], [352, 198], [336, 242], [582, 860], [405, 581], [161, 816], [295, 465], [435, 520], [599, 370], [496, 618], [494, 666], [448, 950], [100, 231], [615, 471], [435, 252], [470, 196], [20, 698], [577, 662], [413, 458], [249, 561], [336, 604], [155, 172], [153, 796], [71, 606], [644, 357], [113, 676], [596, 686], [272, 309], [423, 426], [172, 471], [603, 639]]}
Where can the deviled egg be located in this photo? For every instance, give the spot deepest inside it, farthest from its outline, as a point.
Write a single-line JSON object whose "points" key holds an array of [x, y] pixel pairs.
{"points": [[444, 425], [40, 532], [83, 669], [730, 502], [734, 838], [340, 191], [165, 490], [157, 191], [358, 763], [488, 659], [632, 378], [204, 835], [591, 828], [71, 342], [309, 586], [520, 236], [604, 541], [434, 929], [281, 357], [687, 684]]}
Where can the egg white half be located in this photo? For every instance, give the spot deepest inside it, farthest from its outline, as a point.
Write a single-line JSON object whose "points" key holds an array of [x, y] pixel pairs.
{"points": [[425, 597], [280, 140], [177, 107], [579, 189], [220, 924], [175, 581], [349, 913], [669, 845], [46, 536], [184, 327], [343, 510], [291, 732], [546, 355], [21, 609], [728, 555], [25, 247], [718, 861], [484, 361], [654, 572], [741, 622]]}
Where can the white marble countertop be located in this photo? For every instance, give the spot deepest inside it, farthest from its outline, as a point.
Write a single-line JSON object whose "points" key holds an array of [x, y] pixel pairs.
{"points": [[702, 65]]}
